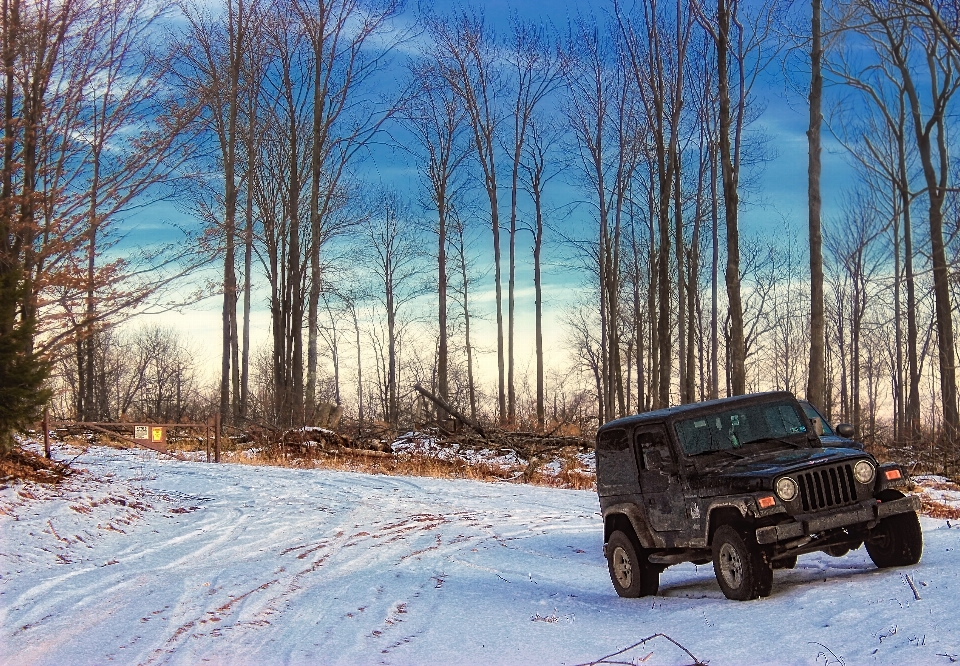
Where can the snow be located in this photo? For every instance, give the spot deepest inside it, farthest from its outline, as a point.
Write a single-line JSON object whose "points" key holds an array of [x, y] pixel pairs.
{"points": [[421, 444], [506, 459], [156, 561]]}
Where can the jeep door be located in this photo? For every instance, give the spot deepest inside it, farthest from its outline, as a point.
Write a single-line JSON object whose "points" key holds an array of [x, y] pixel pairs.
{"points": [[659, 476]]}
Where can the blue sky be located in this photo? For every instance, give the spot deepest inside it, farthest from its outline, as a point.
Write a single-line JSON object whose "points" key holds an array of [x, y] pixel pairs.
{"points": [[776, 209]]}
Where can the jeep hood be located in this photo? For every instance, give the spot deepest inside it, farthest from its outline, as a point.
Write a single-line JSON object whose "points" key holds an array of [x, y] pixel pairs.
{"points": [[774, 463]]}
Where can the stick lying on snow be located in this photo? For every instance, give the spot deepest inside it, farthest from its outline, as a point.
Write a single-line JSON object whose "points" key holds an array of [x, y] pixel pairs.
{"points": [[603, 660]]}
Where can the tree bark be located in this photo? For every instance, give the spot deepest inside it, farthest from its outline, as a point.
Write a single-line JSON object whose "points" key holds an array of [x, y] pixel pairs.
{"points": [[815, 379], [731, 202]]}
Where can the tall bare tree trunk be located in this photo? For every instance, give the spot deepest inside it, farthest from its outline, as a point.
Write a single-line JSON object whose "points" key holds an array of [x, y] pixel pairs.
{"points": [[731, 201], [896, 354], [681, 279], [442, 351], [465, 49], [913, 362], [931, 142], [251, 150], [714, 275], [356, 329], [462, 260], [815, 380]]}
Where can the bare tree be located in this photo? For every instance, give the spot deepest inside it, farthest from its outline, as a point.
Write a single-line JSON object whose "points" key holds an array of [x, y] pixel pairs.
{"points": [[901, 38], [544, 137], [942, 81], [462, 292], [658, 65], [466, 52], [350, 42], [397, 265], [536, 67], [854, 248], [436, 117], [815, 379], [604, 116], [213, 52], [750, 47]]}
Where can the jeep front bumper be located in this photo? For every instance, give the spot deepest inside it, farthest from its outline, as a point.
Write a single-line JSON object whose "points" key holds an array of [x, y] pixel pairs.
{"points": [[869, 511]]}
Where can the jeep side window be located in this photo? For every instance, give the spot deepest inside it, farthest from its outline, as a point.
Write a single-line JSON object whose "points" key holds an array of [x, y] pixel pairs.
{"points": [[654, 452], [615, 462], [784, 418]]}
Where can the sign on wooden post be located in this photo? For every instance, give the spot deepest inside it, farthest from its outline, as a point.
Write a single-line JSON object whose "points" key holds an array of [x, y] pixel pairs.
{"points": [[151, 436]]}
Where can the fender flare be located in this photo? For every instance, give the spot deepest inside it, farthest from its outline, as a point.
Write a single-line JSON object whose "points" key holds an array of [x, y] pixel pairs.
{"points": [[744, 505], [648, 538]]}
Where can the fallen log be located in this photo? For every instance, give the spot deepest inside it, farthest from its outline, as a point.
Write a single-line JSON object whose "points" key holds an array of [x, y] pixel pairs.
{"points": [[451, 410]]}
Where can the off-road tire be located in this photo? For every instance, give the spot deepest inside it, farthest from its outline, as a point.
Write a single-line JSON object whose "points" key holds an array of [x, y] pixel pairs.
{"points": [[898, 540], [739, 565], [632, 575]]}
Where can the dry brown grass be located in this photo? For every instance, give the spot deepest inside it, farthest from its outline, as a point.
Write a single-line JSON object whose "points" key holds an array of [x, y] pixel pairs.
{"points": [[941, 485], [373, 462], [20, 465], [935, 509]]}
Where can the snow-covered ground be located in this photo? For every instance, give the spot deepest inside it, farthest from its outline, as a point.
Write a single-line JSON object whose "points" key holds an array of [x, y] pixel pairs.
{"points": [[142, 560]]}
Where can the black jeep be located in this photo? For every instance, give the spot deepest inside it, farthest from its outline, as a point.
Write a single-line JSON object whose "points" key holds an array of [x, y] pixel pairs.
{"points": [[747, 483]]}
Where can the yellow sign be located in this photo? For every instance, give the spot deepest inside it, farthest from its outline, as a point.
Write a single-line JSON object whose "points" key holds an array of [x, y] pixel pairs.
{"points": [[157, 434]]}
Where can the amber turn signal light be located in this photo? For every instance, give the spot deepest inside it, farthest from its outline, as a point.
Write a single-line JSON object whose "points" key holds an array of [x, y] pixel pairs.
{"points": [[766, 502], [892, 474]]}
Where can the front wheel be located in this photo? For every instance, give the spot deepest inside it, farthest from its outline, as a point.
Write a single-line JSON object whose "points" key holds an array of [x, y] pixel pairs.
{"points": [[739, 566], [631, 575], [897, 541]]}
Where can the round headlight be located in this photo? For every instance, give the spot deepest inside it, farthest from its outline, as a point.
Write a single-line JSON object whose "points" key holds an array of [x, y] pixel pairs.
{"points": [[786, 488], [863, 472]]}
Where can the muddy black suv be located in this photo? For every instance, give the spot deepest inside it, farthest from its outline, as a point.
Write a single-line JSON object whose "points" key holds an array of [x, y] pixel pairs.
{"points": [[747, 483]]}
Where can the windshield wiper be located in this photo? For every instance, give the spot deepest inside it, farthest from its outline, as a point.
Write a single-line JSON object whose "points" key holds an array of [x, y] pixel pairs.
{"points": [[738, 456], [774, 439]]}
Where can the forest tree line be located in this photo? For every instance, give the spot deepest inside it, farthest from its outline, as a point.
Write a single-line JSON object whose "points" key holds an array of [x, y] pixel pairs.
{"points": [[625, 144]]}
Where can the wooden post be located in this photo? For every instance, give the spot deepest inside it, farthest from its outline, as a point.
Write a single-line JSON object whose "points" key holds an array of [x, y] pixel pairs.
{"points": [[216, 438], [46, 433], [206, 439]]}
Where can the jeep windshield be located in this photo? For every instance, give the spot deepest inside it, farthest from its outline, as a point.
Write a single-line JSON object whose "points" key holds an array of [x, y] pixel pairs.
{"points": [[744, 426]]}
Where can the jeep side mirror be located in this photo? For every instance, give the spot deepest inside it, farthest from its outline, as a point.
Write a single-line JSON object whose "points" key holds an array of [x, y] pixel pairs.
{"points": [[845, 430]]}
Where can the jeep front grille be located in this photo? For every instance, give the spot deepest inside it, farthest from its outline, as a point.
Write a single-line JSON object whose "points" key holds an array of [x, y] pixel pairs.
{"points": [[827, 487]]}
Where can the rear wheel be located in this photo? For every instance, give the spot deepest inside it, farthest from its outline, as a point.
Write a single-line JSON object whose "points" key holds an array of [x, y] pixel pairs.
{"points": [[739, 565], [897, 541], [632, 575]]}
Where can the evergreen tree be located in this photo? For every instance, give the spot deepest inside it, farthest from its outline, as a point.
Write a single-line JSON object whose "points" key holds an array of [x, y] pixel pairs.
{"points": [[22, 371]]}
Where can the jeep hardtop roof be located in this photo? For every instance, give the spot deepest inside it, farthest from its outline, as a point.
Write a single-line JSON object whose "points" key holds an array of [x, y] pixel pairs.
{"points": [[694, 408]]}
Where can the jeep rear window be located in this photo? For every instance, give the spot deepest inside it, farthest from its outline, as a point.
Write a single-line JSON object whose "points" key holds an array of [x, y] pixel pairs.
{"points": [[735, 428], [615, 463]]}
